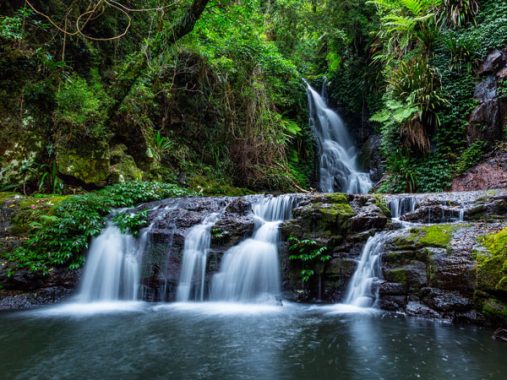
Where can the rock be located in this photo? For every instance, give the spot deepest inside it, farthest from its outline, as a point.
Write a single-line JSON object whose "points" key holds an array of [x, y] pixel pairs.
{"points": [[445, 301], [123, 167], [419, 310], [393, 303], [231, 229], [392, 288], [89, 166], [486, 90], [493, 62], [23, 301], [500, 335], [369, 217], [489, 174], [486, 122]]}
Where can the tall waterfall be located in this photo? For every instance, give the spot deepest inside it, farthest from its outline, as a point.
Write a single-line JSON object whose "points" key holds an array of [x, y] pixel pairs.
{"points": [[338, 167], [112, 268], [250, 271], [195, 254]]}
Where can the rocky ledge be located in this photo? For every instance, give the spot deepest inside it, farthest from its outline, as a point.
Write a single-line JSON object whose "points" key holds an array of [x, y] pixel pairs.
{"points": [[445, 256]]}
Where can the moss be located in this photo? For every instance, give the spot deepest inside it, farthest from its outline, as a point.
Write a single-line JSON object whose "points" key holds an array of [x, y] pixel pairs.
{"points": [[29, 210], [398, 275], [123, 166], [432, 236], [212, 187], [492, 262], [5, 196], [90, 168], [495, 309], [380, 201], [336, 198]]}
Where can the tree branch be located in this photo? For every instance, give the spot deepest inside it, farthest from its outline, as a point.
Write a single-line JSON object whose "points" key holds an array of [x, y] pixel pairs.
{"points": [[184, 26]]}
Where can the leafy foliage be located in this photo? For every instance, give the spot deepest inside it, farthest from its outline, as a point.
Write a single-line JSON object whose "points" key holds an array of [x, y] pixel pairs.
{"points": [[59, 236], [131, 222], [308, 253]]}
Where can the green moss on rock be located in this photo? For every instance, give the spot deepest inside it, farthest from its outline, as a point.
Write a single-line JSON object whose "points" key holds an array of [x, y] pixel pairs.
{"points": [[492, 263], [380, 201], [431, 236], [123, 166], [495, 309], [90, 167], [398, 275]]}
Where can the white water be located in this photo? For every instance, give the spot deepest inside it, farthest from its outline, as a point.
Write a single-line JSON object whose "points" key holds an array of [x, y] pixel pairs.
{"points": [[195, 254], [112, 267], [402, 205], [360, 291], [338, 167], [250, 271]]}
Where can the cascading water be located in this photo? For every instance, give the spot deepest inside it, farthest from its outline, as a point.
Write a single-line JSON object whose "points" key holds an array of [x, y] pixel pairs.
{"points": [[338, 167], [361, 291], [402, 205], [195, 254], [250, 271], [112, 268]]}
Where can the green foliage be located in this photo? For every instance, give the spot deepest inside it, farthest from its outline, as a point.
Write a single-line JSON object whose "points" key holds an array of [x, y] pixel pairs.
{"points": [[82, 106], [131, 222], [309, 253], [11, 28], [60, 235], [470, 156]]}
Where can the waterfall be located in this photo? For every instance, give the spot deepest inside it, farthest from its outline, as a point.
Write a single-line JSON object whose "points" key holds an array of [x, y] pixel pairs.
{"points": [[338, 167], [250, 271], [112, 268], [361, 290], [402, 205], [195, 254]]}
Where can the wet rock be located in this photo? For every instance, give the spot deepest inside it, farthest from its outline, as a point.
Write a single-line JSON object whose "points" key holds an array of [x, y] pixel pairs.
{"points": [[24, 301], [393, 303], [231, 229], [392, 288], [500, 335], [419, 310], [239, 206], [369, 217], [445, 301]]}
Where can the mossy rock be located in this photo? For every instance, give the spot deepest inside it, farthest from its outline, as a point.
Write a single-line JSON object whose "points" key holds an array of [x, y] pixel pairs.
{"points": [[398, 275], [439, 236], [381, 203], [495, 309], [212, 187], [29, 210], [123, 166], [492, 263], [336, 212], [90, 167]]}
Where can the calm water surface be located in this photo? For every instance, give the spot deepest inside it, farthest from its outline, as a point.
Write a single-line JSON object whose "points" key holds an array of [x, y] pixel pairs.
{"points": [[224, 341]]}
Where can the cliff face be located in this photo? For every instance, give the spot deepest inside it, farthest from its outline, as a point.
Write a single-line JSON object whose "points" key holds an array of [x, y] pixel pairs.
{"points": [[445, 257]]}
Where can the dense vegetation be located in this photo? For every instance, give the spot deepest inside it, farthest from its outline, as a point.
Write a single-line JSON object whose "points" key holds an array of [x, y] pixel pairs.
{"points": [[207, 95], [210, 94]]}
